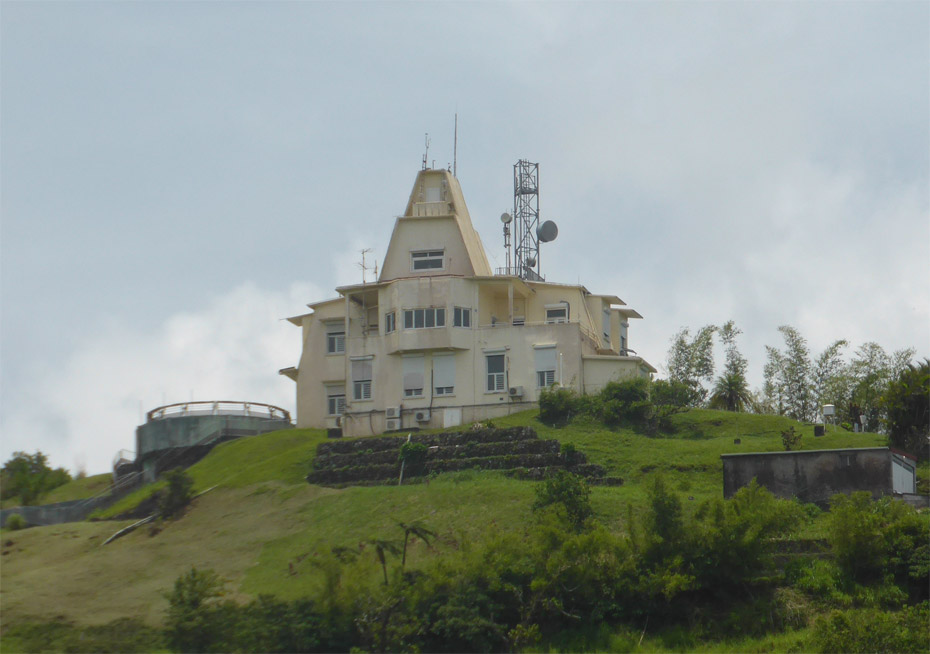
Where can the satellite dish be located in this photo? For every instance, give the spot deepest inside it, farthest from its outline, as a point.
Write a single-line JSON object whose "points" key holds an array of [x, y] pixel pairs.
{"points": [[547, 232], [506, 218], [530, 261]]}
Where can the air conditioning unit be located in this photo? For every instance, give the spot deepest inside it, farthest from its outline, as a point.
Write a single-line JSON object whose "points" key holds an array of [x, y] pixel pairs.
{"points": [[392, 412], [422, 416], [393, 424], [334, 422], [516, 391]]}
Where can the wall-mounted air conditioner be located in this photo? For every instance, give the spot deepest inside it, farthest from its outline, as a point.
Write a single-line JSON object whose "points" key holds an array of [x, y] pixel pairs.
{"points": [[334, 422], [422, 416], [516, 391], [393, 424], [392, 412]]}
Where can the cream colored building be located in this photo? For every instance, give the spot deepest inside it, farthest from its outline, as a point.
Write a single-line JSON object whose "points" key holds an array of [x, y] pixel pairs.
{"points": [[440, 340]]}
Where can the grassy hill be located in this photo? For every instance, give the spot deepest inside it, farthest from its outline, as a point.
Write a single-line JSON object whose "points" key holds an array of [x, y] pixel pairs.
{"points": [[76, 489], [262, 527]]}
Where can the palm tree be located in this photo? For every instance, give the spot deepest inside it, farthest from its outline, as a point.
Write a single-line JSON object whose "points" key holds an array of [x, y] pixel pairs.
{"points": [[731, 393], [416, 529], [382, 546]]}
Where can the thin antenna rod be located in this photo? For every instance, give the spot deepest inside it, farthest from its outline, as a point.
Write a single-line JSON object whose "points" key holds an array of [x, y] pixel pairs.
{"points": [[362, 264], [455, 148]]}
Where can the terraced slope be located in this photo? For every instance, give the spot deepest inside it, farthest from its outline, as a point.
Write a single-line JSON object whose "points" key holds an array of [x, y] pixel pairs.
{"points": [[517, 450]]}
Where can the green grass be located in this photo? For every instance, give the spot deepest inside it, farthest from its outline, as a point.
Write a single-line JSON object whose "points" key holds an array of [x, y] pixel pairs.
{"points": [[282, 456], [263, 527], [76, 489]]}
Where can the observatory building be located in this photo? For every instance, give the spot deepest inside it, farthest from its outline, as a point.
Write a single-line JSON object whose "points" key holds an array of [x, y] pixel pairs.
{"points": [[441, 339]]}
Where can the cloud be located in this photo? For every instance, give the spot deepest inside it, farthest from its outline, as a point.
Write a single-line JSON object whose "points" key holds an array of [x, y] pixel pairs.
{"points": [[86, 409]]}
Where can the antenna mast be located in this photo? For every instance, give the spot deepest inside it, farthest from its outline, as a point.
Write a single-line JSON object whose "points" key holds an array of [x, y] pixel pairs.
{"points": [[526, 215], [426, 154], [363, 266]]}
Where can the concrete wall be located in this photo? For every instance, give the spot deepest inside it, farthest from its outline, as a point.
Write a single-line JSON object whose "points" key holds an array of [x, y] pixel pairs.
{"points": [[185, 431], [73, 511], [812, 476]]}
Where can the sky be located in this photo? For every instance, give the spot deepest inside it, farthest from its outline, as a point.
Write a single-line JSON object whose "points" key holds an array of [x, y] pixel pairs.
{"points": [[176, 178]]}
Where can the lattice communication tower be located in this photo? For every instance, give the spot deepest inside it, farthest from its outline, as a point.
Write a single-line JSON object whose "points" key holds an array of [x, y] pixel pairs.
{"points": [[526, 219]]}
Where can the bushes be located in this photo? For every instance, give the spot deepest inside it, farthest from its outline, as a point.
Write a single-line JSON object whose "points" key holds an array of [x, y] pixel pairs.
{"points": [[557, 405], [869, 630], [873, 538], [569, 494], [637, 403], [701, 573], [175, 498], [14, 522]]}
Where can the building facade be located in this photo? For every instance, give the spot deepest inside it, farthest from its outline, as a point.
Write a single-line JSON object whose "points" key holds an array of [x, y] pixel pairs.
{"points": [[440, 340]]}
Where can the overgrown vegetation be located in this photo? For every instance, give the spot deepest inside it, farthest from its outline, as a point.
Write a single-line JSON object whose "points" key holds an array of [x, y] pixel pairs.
{"points": [[177, 493], [27, 477], [643, 571], [637, 403], [711, 573]]}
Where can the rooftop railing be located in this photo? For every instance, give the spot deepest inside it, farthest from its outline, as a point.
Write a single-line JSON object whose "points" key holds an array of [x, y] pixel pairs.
{"points": [[219, 408]]}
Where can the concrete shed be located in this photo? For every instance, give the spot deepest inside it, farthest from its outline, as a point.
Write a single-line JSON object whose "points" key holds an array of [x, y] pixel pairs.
{"points": [[817, 475]]}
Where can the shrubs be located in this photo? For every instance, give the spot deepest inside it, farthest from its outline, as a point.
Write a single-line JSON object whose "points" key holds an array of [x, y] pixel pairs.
{"points": [[557, 405], [569, 494], [873, 538], [869, 630], [790, 439], [637, 403], [175, 498], [15, 522]]}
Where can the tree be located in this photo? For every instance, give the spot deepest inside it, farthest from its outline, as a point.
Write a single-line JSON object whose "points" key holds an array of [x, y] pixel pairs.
{"points": [[906, 406], [832, 383], [197, 620], [570, 493], [788, 387], [872, 369], [382, 548], [178, 494], [691, 361], [28, 477], [735, 362], [414, 529], [731, 393]]}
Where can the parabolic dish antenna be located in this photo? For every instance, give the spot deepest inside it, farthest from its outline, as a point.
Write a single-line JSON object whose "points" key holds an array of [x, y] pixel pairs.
{"points": [[506, 218], [547, 232]]}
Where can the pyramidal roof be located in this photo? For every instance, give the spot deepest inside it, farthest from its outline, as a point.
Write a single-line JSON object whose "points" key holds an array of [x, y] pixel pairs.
{"points": [[435, 219]]}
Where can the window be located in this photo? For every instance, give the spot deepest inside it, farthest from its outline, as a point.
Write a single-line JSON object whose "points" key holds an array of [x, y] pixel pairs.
{"points": [[424, 318], [335, 400], [557, 313], [623, 337], [427, 260], [389, 322], [497, 381], [444, 374], [335, 338], [461, 317], [606, 326], [545, 366], [413, 376], [361, 378]]}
